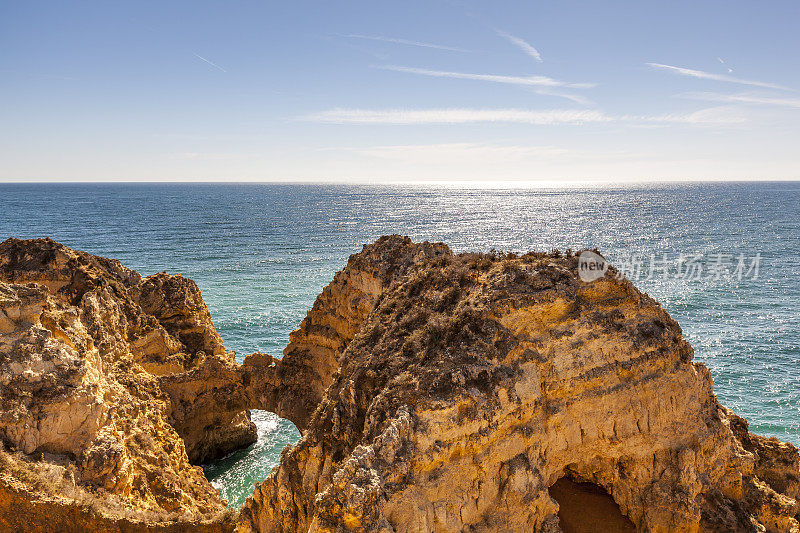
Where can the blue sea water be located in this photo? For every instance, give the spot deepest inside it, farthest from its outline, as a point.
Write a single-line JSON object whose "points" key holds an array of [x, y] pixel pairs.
{"points": [[261, 254]]}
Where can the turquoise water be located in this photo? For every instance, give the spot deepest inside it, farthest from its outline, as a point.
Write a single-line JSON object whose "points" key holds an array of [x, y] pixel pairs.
{"points": [[262, 253]]}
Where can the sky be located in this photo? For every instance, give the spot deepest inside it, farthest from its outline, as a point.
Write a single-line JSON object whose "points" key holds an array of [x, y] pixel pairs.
{"points": [[434, 91]]}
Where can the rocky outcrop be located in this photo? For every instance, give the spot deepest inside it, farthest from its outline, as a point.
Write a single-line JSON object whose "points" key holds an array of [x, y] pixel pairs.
{"points": [[475, 383], [87, 430], [159, 322], [114, 383], [434, 392], [293, 386], [312, 355]]}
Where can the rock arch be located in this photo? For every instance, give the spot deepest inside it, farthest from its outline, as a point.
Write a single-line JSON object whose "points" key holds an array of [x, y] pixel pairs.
{"points": [[434, 392], [479, 379]]}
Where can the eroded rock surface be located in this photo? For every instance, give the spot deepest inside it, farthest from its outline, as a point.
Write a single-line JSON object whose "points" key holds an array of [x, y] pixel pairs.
{"points": [[312, 355], [293, 386], [90, 439], [435, 392], [475, 382], [114, 383]]}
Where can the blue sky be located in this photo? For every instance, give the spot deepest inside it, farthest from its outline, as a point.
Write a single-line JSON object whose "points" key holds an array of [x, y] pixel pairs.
{"points": [[434, 91]]}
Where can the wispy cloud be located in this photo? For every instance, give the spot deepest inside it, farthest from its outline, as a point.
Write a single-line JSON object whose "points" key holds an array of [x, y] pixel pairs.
{"points": [[456, 116], [711, 116], [542, 81], [726, 65], [460, 151], [578, 99], [717, 77], [210, 156], [745, 99], [404, 41], [547, 117], [522, 45], [210, 62]]}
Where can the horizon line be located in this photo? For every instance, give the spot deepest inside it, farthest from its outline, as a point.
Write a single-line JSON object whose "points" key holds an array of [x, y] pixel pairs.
{"points": [[437, 184]]}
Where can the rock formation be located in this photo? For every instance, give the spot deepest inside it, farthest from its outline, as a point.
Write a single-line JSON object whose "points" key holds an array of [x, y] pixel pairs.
{"points": [[434, 392], [478, 382], [312, 356], [293, 386], [91, 441]]}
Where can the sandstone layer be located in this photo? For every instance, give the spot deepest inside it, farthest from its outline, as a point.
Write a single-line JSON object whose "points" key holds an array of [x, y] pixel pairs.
{"points": [[91, 440], [465, 386], [434, 392]]}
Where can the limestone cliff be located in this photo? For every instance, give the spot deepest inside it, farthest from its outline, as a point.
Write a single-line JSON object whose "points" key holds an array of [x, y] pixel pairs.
{"points": [[90, 438], [293, 386], [312, 355], [470, 386], [434, 391]]}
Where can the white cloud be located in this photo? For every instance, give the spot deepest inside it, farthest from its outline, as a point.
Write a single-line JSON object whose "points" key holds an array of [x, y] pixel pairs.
{"points": [[717, 77], [461, 152], [404, 41], [548, 117], [578, 99], [456, 116], [745, 99], [210, 156], [522, 45], [210, 62], [542, 81], [726, 65], [710, 116]]}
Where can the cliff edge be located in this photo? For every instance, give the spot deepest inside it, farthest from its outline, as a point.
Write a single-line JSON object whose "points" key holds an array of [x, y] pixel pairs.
{"points": [[495, 392], [91, 441], [434, 392]]}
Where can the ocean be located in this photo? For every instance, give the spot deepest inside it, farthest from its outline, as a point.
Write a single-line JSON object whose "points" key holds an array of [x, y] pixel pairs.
{"points": [[723, 259]]}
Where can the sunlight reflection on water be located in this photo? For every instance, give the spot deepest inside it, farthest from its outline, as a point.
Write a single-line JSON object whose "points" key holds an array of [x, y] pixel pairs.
{"points": [[262, 253]]}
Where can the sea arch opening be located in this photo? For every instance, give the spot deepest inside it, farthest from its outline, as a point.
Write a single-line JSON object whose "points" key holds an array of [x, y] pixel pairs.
{"points": [[235, 474]]}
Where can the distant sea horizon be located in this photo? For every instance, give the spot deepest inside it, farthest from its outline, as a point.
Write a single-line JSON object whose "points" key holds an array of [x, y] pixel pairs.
{"points": [[721, 257], [588, 183]]}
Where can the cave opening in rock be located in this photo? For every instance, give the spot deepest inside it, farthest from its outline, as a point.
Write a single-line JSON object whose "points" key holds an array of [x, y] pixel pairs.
{"points": [[587, 508]]}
